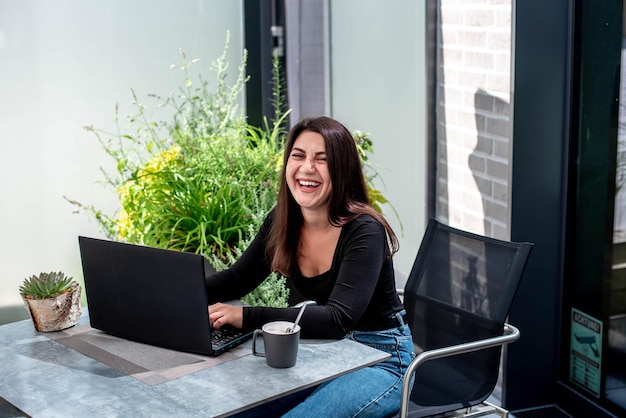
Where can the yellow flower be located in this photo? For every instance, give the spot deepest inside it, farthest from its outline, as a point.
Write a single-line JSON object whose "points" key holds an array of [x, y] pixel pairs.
{"points": [[133, 191], [160, 161]]}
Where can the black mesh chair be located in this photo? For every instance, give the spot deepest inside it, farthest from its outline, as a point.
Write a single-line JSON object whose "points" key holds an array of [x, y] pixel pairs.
{"points": [[457, 298]]}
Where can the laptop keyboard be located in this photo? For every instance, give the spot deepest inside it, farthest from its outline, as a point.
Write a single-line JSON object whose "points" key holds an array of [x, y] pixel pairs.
{"points": [[224, 335]]}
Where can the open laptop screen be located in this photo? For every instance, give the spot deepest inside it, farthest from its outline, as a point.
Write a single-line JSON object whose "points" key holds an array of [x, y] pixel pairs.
{"points": [[145, 294]]}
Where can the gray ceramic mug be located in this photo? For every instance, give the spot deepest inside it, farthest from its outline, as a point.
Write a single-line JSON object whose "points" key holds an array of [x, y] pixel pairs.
{"points": [[281, 347]]}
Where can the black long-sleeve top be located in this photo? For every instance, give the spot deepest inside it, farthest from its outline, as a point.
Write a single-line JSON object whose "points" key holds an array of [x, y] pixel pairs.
{"points": [[357, 293]]}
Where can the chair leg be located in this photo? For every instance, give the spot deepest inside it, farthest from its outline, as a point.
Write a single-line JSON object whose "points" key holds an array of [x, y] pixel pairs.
{"points": [[498, 410], [480, 410]]}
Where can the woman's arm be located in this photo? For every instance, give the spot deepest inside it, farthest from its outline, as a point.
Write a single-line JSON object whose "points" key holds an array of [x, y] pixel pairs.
{"points": [[244, 275], [360, 259]]}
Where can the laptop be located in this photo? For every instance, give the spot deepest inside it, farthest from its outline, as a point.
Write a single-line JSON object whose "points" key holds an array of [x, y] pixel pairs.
{"points": [[153, 296]]}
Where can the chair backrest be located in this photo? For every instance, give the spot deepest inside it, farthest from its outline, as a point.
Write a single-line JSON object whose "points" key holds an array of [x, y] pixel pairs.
{"points": [[460, 289]]}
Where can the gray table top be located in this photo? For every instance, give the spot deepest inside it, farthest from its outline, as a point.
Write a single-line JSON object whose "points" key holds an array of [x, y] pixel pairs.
{"points": [[46, 379]]}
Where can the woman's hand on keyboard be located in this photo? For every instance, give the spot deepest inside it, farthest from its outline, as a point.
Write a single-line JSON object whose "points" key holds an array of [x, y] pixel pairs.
{"points": [[221, 314]]}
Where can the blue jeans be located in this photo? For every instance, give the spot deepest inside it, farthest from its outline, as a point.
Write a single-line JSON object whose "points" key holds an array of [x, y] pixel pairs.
{"points": [[373, 391]]}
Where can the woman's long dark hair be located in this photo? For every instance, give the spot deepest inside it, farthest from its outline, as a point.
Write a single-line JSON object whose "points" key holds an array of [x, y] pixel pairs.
{"points": [[348, 198]]}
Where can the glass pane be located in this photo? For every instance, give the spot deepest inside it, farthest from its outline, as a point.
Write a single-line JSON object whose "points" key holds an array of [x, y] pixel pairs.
{"points": [[615, 378]]}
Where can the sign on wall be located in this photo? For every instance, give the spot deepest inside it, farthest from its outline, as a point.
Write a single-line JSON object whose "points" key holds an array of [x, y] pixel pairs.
{"points": [[586, 351]]}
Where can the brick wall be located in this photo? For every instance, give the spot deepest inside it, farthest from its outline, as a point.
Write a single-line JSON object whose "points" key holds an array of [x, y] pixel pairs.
{"points": [[474, 115]]}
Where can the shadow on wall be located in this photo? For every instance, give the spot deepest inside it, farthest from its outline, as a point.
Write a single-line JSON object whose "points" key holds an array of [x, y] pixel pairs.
{"points": [[490, 166], [489, 162]]}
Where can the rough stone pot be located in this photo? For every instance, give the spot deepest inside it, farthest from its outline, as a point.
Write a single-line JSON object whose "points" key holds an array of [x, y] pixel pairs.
{"points": [[55, 314]]}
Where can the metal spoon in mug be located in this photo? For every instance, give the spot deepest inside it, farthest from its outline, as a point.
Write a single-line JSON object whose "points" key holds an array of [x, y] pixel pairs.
{"points": [[293, 327]]}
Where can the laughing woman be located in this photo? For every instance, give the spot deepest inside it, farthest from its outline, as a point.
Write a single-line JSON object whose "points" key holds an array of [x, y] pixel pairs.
{"points": [[337, 250]]}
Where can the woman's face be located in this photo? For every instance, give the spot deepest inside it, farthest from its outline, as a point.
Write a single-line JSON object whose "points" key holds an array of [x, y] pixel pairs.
{"points": [[307, 172]]}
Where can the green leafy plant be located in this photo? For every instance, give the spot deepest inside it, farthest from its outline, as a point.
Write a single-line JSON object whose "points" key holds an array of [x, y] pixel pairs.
{"points": [[200, 179], [46, 285], [195, 182]]}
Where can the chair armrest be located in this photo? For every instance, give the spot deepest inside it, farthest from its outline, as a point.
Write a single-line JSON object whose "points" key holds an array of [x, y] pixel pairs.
{"points": [[510, 335]]}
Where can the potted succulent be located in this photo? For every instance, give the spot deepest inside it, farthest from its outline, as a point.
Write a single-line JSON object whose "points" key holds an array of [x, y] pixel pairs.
{"points": [[52, 300]]}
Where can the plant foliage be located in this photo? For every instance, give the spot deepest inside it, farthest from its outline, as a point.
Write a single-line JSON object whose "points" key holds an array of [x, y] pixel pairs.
{"points": [[46, 285], [200, 179]]}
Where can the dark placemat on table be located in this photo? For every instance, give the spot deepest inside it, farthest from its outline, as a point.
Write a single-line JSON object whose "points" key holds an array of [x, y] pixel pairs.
{"points": [[150, 364]]}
